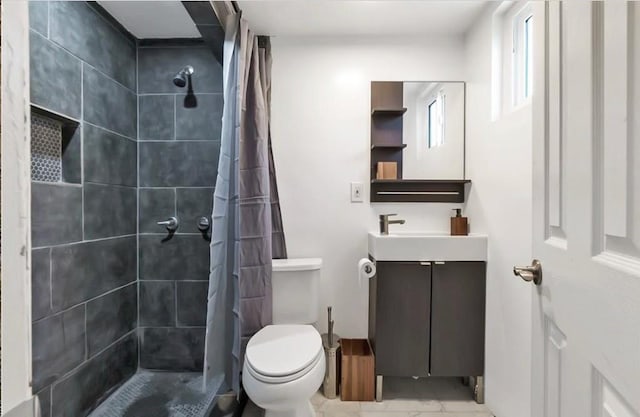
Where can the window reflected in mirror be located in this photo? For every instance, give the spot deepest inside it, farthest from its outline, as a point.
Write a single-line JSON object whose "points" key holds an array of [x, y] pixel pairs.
{"points": [[433, 130]]}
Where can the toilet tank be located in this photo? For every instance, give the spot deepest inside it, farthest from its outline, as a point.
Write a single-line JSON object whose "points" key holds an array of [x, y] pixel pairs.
{"points": [[295, 284]]}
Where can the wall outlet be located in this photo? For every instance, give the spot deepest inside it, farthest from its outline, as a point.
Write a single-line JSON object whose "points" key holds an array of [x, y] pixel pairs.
{"points": [[357, 191]]}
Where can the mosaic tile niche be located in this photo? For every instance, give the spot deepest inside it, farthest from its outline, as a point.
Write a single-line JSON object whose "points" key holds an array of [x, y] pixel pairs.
{"points": [[46, 149], [55, 148]]}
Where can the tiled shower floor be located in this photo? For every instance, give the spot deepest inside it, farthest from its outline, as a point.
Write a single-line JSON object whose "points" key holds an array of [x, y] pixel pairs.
{"points": [[160, 394]]}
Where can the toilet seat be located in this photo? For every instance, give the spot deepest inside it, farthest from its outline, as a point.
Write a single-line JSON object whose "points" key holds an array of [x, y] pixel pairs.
{"points": [[283, 353]]}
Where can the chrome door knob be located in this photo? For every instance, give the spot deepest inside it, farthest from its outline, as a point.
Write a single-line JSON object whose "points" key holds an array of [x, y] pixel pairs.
{"points": [[530, 273]]}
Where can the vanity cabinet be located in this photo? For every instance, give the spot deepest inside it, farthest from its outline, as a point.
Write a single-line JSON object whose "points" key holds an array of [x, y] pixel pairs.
{"points": [[400, 295], [427, 318], [457, 319]]}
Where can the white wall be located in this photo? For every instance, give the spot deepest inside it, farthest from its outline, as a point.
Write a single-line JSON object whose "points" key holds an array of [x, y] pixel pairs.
{"points": [[499, 162], [320, 127], [16, 214]]}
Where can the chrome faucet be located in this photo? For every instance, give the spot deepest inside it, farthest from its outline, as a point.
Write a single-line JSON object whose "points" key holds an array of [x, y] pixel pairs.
{"points": [[385, 222]]}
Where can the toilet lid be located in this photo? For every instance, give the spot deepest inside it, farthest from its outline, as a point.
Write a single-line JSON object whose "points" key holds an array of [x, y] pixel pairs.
{"points": [[284, 349]]}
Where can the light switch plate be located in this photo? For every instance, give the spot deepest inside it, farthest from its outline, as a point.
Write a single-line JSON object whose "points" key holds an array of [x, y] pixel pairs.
{"points": [[357, 191]]}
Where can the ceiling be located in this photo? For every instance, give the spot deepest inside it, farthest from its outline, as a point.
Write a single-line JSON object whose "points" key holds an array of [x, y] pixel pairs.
{"points": [[169, 19], [153, 19], [358, 17]]}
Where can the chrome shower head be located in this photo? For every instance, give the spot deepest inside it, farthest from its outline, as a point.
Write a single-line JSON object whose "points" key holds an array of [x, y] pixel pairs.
{"points": [[181, 77]]}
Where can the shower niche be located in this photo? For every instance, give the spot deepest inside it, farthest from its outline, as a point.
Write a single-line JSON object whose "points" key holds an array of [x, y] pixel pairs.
{"points": [[55, 148]]}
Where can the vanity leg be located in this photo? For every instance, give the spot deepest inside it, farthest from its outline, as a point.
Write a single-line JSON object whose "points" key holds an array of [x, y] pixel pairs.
{"points": [[478, 389], [379, 388]]}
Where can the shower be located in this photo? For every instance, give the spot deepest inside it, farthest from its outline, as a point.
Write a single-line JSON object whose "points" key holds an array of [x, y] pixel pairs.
{"points": [[182, 79], [183, 75]]}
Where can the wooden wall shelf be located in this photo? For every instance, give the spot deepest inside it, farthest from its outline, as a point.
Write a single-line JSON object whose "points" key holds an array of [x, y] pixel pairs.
{"points": [[419, 191], [389, 146], [386, 124], [389, 112]]}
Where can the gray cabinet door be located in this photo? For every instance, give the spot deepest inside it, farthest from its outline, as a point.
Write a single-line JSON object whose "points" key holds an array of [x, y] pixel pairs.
{"points": [[457, 319], [402, 293]]}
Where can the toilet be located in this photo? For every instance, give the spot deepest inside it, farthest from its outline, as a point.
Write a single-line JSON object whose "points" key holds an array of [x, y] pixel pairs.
{"points": [[284, 362]]}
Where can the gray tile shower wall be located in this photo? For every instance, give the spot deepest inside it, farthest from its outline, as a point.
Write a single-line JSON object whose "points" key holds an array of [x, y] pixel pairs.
{"points": [[126, 292], [182, 257], [41, 283], [172, 348], [86, 270], [158, 64], [157, 303], [178, 163], [60, 347], [155, 204], [77, 393], [72, 157], [84, 234], [179, 149], [109, 211], [56, 214], [110, 317], [80, 30], [191, 203], [191, 301], [119, 168], [100, 93], [56, 77], [39, 17]]}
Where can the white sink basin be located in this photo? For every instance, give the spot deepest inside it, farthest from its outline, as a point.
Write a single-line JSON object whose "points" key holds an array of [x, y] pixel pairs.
{"points": [[427, 246]]}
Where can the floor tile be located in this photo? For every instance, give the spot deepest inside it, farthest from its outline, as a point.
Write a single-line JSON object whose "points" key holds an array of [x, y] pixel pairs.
{"points": [[339, 413], [331, 407], [392, 406], [405, 397], [463, 406], [452, 392], [460, 414], [386, 414], [318, 400]]}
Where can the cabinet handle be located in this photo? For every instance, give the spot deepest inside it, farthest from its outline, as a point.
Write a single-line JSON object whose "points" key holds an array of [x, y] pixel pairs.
{"points": [[425, 263], [440, 263]]}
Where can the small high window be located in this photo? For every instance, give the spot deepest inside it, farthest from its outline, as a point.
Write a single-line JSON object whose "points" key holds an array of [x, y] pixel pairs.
{"points": [[528, 36], [522, 55]]}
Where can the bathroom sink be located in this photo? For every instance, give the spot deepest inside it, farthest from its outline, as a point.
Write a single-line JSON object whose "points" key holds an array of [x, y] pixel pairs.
{"points": [[427, 246]]}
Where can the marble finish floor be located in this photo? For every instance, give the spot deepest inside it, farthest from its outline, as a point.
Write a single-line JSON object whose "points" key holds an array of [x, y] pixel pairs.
{"points": [[402, 397]]}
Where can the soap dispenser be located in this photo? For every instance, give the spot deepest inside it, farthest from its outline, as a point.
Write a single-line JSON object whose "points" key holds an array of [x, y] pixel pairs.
{"points": [[459, 224]]}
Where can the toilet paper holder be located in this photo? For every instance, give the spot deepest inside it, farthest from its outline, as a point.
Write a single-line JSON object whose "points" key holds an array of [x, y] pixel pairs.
{"points": [[366, 270]]}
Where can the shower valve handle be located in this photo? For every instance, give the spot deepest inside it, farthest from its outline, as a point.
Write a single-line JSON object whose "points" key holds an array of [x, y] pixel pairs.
{"points": [[203, 224], [171, 224]]}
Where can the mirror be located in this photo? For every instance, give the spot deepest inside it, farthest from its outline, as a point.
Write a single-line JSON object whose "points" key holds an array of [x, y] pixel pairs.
{"points": [[433, 130], [417, 142]]}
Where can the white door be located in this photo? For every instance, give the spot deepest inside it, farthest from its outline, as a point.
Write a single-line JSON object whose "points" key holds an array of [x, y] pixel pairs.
{"points": [[586, 205]]}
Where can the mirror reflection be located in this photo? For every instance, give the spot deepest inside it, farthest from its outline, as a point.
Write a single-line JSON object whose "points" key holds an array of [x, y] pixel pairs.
{"points": [[433, 130]]}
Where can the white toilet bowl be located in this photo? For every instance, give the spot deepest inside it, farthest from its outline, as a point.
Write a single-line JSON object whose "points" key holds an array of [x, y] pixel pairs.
{"points": [[284, 366]]}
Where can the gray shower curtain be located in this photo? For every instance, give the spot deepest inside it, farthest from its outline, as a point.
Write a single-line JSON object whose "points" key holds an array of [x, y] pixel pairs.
{"points": [[246, 214], [278, 244]]}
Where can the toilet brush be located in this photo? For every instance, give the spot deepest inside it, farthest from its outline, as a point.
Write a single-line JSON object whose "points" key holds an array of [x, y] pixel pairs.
{"points": [[331, 346]]}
